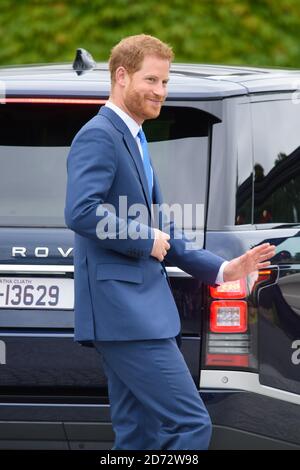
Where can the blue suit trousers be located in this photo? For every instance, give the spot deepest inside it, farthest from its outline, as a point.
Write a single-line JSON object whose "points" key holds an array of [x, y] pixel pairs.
{"points": [[154, 401]]}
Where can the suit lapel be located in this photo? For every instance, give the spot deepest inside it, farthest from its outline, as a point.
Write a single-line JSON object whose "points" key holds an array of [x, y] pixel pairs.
{"points": [[132, 148]]}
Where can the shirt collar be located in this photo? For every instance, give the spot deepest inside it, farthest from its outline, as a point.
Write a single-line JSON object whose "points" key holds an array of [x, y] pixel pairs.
{"points": [[130, 123]]}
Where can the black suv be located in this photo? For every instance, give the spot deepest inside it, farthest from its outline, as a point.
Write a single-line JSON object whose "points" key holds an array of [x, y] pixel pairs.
{"points": [[228, 140]]}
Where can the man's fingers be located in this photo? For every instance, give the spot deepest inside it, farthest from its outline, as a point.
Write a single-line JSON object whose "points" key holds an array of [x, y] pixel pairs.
{"points": [[266, 253], [167, 245], [263, 251], [165, 236], [263, 265], [257, 258], [266, 256], [270, 249], [259, 248]]}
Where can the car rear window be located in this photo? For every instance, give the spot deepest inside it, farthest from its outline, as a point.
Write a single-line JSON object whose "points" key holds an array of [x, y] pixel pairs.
{"points": [[34, 144], [276, 161]]}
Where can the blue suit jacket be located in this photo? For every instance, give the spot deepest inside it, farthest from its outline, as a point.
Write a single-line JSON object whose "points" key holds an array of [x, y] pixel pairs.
{"points": [[121, 292]]}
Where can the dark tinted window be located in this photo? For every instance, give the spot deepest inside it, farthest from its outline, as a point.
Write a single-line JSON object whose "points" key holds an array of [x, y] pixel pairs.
{"points": [[179, 147], [34, 145], [276, 127]]}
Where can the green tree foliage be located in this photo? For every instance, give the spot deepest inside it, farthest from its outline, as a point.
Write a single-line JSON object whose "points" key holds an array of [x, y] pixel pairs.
{"points": [[253, 32]]}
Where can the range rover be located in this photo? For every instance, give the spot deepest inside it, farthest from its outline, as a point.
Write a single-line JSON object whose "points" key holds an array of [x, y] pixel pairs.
{"points": [[227, 139]]}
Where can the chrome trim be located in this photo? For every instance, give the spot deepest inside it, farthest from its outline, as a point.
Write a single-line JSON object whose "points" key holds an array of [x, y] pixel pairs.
{"points": [[35, 269], [245, 381], [60, 269], [176, 272], [38, 335]]}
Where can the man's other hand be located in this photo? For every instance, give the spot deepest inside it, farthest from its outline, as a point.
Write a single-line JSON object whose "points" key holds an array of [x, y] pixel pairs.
{"points": [[252, 260], [160, 245]]}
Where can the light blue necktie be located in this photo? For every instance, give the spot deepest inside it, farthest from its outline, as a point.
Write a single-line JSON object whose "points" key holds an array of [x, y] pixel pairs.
{"points": [[146, 160]]}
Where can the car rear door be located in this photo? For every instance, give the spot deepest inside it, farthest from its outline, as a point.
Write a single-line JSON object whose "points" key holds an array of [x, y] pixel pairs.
{"points": [[276, 148]]}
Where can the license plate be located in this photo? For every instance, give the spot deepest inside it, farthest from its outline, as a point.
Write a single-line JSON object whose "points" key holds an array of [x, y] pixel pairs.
{"points": [[32, 292]]}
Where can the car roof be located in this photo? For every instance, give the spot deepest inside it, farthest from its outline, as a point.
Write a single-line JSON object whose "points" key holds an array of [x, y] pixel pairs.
{"points": [[187, 81]]}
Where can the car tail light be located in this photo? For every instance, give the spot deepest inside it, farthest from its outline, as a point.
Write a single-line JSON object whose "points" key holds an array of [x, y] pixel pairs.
{"points": [[229, 290], [227, 360], [228, 317], [264, 275], [228, 341]]}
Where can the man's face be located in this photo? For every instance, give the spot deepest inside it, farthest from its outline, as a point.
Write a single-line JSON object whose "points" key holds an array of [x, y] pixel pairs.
{"points": [[145, 90]]}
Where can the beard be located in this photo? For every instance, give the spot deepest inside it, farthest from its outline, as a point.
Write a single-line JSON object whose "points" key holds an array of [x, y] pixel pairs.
{"points": [[139, 105]]}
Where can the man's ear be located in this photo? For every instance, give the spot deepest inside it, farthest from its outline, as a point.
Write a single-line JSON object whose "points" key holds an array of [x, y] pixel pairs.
{"points": [[121, 76]]}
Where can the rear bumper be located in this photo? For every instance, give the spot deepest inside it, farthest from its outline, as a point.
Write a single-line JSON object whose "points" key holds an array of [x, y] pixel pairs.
{"points": [[87, 436], [241, 420]]}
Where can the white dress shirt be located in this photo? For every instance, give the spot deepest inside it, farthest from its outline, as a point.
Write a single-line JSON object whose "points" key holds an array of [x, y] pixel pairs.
{"points": [[134, 128]]}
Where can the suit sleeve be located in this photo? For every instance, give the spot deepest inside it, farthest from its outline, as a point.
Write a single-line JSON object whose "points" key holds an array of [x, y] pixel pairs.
{"points": [[91, 167], [200, 263]]}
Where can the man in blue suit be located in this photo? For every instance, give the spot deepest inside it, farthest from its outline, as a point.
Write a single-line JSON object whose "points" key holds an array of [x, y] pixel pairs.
{"points": [[123, 301]]}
